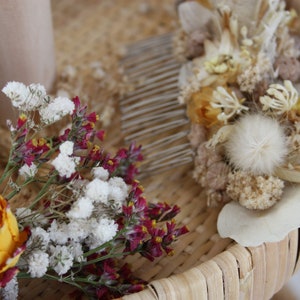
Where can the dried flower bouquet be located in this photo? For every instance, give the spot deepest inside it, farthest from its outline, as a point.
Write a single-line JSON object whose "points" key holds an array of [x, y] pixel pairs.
{"points": [[240, 80], [88, 213]]}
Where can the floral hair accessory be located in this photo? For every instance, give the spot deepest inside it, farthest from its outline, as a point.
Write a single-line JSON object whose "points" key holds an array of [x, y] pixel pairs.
{"points": [[240, 80], [86, 211]]}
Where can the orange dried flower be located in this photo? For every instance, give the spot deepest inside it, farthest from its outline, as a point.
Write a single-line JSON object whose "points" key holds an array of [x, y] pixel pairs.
{"points": [[200, 110]]}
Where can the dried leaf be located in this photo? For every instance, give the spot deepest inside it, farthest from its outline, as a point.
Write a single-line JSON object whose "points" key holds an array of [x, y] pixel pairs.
{"points": [[252, 228], [288, 174]]}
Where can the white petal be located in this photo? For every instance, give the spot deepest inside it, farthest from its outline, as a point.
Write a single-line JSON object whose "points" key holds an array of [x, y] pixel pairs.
{"points": [[193, 16], [253, 228], [186, 72]]}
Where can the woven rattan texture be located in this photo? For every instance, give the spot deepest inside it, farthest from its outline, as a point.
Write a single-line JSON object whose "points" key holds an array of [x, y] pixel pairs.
{"points": [[93, 30]]}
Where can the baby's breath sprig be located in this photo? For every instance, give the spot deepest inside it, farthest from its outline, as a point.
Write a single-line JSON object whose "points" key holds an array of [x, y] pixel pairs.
{"points": [[88, 212]]}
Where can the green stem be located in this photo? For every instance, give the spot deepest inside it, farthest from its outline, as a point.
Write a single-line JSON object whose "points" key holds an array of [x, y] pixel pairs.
{"points": [[8, 172], [43, 191], [15, 192], [65, 280], [8, 165], [101, 258]]}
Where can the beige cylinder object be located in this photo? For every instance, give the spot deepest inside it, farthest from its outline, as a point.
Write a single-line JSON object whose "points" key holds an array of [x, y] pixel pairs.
{"points": [[26, 47]]}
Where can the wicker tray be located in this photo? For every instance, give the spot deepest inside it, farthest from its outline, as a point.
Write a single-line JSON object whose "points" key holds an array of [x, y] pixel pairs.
{"points": [[204, 265]]}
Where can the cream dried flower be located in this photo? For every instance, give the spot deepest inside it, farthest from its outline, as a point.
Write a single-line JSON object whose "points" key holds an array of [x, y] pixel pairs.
{"points": [[288, 68], [217, 175], [204, 159], [279, 98], [255, 73], [228, 102], [256, 144], [197, 135], [254, 192]]}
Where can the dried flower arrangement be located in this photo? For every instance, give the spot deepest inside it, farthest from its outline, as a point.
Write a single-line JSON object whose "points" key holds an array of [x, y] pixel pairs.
{"points": [[240, 81], [88, 213]]}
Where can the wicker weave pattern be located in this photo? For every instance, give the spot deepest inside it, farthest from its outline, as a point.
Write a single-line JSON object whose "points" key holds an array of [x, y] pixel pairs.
{"points": [[204, 265], [237, 273]]}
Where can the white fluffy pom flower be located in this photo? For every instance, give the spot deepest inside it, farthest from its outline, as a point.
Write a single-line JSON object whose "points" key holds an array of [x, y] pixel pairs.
{"points": [[256, 144]]}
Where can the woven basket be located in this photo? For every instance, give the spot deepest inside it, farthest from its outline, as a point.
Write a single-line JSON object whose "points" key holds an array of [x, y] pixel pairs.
{"points": [[204, 266]]}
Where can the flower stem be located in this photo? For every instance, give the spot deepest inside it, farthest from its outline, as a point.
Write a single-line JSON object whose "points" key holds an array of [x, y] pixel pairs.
{"points": [[43, 191]]}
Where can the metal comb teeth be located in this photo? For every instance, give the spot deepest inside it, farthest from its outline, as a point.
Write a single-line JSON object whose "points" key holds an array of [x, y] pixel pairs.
{"points": [[151, 114]]}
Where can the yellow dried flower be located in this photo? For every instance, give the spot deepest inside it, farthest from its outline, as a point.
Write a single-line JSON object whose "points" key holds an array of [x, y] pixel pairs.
{"points": [[12, 240]]}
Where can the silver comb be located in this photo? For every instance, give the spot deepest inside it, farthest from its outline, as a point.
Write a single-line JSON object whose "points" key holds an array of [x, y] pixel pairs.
{"points": [[151, 114]]}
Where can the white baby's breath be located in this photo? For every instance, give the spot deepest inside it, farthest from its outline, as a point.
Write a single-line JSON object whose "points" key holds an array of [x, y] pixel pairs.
{"points": [[97, 190], [81, 209], [38, 262], [256, 144], [104, 230], [61, 259], [118, 190], [17, 92], [11, 290], [100, 172], [56, 109], [64, 163], [36, 97], [39, 237], [66, 148], [27, 171], [77, 252], [78, 229], [58, 232], [26, 216]]}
